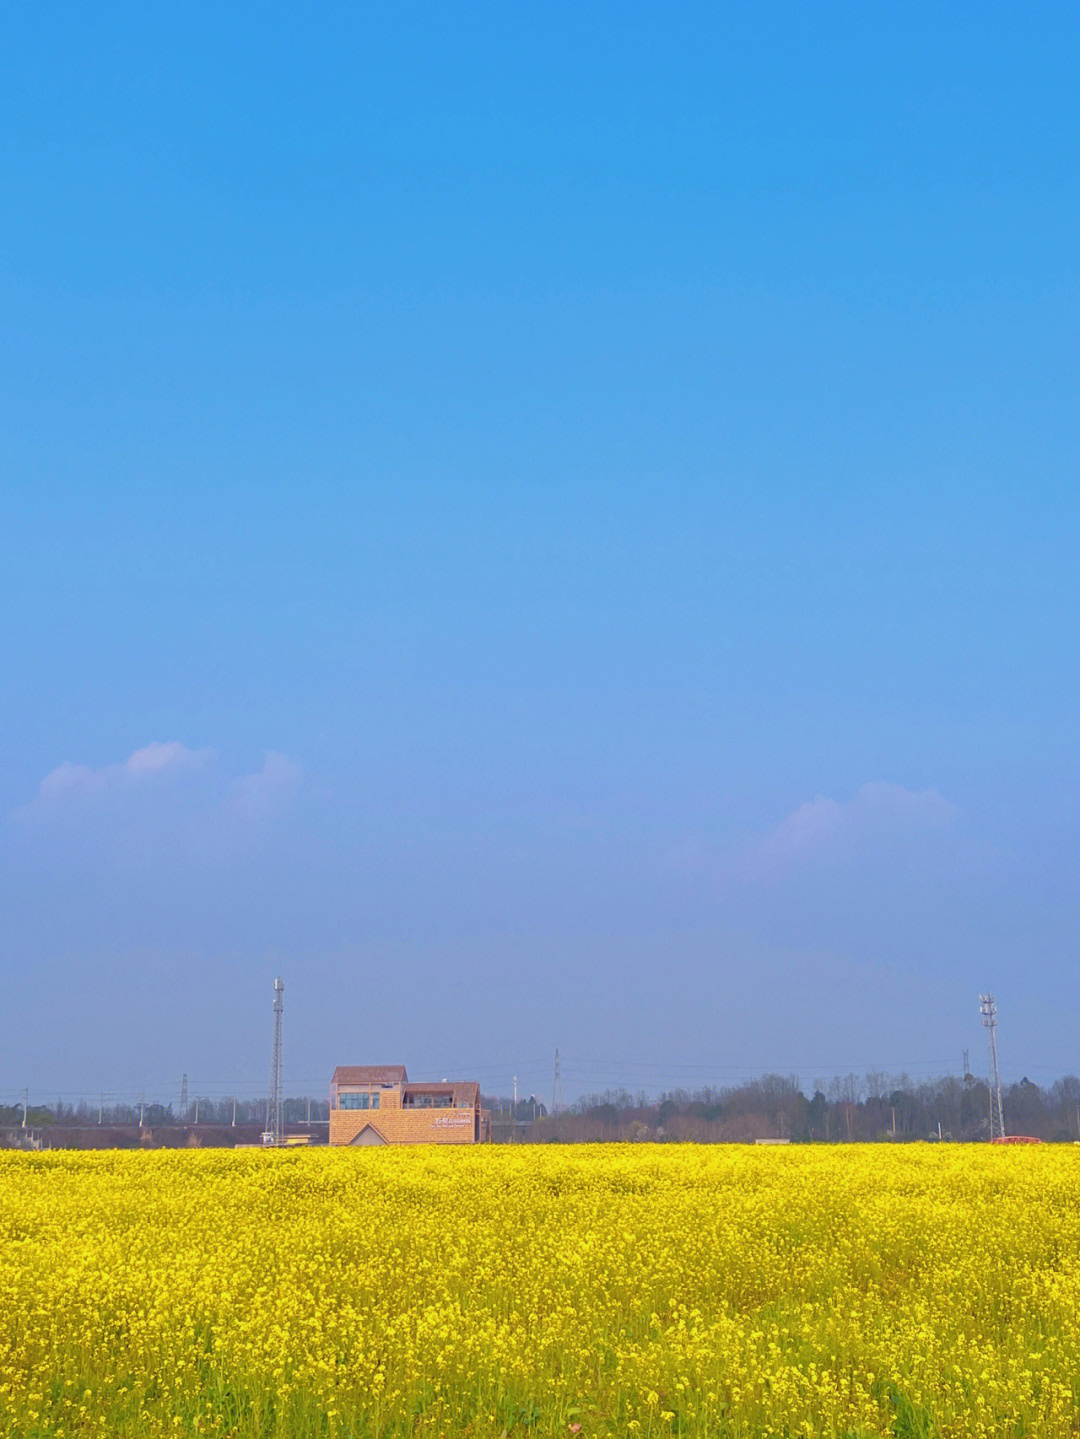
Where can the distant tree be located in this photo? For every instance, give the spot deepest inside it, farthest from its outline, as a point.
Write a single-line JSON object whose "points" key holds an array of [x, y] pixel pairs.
{"points": [[817, 1116]]}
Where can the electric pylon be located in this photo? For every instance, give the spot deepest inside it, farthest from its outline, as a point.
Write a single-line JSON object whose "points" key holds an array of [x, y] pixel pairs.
{"points": [[988, 1010], [274, 1131]]}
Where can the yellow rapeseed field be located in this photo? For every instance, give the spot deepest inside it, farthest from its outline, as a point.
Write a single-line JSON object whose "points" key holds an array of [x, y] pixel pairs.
{"points": [[639, 1290]]}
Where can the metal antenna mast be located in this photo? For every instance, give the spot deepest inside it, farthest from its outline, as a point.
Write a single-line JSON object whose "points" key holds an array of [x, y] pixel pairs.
{"points": [[988, 1010], [274, 1132], [183, 1098], [556, 1088]]}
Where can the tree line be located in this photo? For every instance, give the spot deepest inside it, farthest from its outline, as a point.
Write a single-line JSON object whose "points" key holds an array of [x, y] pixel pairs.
{"points": [[243, 1113], [846, 1109]]}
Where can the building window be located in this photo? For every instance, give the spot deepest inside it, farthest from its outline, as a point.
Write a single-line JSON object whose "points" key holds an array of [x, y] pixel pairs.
{"points": [[358, 1101]]}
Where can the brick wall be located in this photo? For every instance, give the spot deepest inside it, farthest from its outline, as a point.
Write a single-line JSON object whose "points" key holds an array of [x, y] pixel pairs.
{"points": [[404, 1126]]}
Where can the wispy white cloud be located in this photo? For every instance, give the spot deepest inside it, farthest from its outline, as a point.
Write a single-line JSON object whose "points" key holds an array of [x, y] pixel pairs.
{"points": [[164, 803], [74, 781], [158, 757], [878, 820], [257, 796]]}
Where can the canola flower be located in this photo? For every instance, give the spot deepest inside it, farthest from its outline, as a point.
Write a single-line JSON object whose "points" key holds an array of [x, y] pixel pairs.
{"points": [[631, 1290]]}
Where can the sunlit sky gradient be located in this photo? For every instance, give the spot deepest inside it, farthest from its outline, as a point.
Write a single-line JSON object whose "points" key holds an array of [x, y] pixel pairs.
{"points": [[544, 526]]}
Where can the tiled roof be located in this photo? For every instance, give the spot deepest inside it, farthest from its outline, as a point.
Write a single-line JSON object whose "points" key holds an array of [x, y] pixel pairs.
{"points": [[370, 1074]]}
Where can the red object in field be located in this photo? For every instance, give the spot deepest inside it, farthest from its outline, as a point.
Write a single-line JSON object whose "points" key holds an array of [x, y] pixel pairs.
{"points": [[1015, 1139]]}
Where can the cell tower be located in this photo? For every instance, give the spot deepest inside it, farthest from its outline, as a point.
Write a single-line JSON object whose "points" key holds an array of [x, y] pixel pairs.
{"points": [[274, 1133], [988, 1010], [183, 1098], [556, 1088]]}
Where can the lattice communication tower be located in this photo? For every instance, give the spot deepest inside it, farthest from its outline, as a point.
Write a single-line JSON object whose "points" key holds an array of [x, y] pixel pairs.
{"points": [[274, 1128], [988, 1010]]}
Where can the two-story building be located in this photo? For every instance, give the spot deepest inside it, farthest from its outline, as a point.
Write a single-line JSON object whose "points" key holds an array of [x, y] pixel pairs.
{"points": [[376, 1104]]}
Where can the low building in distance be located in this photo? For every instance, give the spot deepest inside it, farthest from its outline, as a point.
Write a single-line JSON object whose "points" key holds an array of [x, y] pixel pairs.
{"points": [[376, 1104]]}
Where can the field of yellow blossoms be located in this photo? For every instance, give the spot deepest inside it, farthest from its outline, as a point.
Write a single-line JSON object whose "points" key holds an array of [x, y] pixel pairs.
{"points": [[631, 1290]]}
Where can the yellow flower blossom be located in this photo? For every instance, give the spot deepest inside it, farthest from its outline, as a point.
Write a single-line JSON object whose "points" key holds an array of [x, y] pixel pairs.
{"points": [[628, 1289]]}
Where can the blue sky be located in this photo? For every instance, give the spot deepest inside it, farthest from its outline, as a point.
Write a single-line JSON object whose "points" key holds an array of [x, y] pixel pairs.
{"points": [[545, 527]]}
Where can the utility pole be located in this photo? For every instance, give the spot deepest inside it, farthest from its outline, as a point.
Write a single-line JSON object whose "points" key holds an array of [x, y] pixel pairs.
{"points": [[101, 1108], [142, 1107], [183, 1099], [988, 1010], [25, 1105], [196, 1109], [274, 1098], [234, 1113]]}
